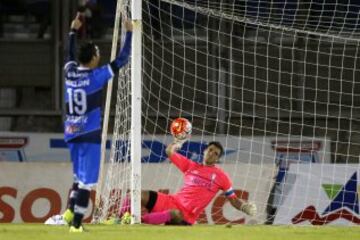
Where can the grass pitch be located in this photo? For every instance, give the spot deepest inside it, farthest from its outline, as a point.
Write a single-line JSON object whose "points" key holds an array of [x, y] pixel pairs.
{"points": [[146, 232]]}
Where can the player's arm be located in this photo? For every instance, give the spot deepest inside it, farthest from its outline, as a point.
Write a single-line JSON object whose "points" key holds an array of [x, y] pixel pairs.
{"points": [[123, 57], [172, 148], [74, 27], [104, 73], [179, 160]]}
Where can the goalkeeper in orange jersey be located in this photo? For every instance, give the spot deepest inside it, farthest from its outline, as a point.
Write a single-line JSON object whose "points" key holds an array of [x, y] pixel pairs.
{"points": [[201, 184]]}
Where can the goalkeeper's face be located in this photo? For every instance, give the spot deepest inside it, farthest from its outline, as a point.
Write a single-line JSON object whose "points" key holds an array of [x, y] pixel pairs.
{"points": [[211, 155]]}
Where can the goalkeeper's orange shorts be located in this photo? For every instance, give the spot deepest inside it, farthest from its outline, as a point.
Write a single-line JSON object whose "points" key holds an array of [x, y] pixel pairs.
{"points": [[168, 202]]}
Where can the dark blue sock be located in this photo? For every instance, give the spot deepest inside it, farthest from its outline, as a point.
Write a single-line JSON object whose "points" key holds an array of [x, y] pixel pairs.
{"points": [[73, 196], [81, 204]]}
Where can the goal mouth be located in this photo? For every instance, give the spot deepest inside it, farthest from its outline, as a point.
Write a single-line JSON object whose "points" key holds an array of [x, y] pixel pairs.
{"points": [[274, 82]]}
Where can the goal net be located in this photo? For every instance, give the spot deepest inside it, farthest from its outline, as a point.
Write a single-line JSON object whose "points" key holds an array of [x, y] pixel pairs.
{"points": [[276, 82]]}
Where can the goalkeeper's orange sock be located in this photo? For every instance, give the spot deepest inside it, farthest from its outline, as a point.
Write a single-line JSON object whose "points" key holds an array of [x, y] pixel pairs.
{"points": [[157, 218]]}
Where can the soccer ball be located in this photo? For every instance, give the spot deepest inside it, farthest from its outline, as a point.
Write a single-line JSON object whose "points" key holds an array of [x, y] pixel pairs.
{"points": [[181, 128]]}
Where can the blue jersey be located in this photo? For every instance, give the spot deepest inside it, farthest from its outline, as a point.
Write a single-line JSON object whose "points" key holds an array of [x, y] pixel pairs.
{"points": [[83, 98], [83, 94]]}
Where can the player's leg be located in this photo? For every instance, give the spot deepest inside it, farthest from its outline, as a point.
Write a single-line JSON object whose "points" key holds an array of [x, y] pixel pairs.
{"points": [[126, 202], [75, 186], [89, 163], [161, 207], [68, 215], [178, 219], [81, 205], [270, 209], [125, 208], [73, 195]]}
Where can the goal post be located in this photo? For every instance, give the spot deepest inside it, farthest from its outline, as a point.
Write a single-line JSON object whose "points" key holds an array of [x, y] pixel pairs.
{"points": [[136, 114]]}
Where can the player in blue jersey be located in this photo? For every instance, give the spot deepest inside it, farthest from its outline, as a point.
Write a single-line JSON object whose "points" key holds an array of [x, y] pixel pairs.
{"points": [[84, 82]]}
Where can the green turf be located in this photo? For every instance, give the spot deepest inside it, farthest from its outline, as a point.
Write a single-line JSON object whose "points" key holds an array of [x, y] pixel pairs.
{"points": [[238, 232]]}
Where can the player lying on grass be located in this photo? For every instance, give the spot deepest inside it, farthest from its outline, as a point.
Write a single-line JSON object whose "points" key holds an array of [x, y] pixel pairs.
{"points": [[201, 184]]}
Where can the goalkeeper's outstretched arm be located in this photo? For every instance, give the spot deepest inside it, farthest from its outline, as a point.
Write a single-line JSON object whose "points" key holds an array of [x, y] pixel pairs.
{"points": [[180, 161], [172, 148], [246, 207]]}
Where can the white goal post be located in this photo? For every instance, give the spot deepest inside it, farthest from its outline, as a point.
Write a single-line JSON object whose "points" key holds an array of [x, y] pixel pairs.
{"points": [[136, 100]]}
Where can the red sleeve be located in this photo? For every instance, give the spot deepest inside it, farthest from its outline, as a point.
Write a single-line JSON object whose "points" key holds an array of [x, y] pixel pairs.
{"points": [[181, 162]]}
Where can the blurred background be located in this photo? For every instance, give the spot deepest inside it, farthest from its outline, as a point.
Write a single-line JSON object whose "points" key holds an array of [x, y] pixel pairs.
{"points": [[33, 36]]}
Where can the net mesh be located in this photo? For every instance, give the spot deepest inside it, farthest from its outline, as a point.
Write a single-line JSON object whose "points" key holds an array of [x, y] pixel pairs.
{"points": [[273, 81]]}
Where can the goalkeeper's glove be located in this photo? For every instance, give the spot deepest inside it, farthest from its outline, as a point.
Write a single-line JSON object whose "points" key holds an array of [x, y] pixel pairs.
{"points": [[249, 208], [179, 143]]}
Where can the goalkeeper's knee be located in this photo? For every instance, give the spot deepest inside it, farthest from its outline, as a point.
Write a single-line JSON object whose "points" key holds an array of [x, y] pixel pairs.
{"points": [[176, 216]]}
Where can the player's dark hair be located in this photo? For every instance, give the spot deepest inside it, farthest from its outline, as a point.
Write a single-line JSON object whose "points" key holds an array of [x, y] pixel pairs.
{"points": [[86, 52], [218, 145]]}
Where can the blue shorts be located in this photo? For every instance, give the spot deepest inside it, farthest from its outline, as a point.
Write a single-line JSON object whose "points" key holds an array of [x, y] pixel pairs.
{"points": [[85, 157]]}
